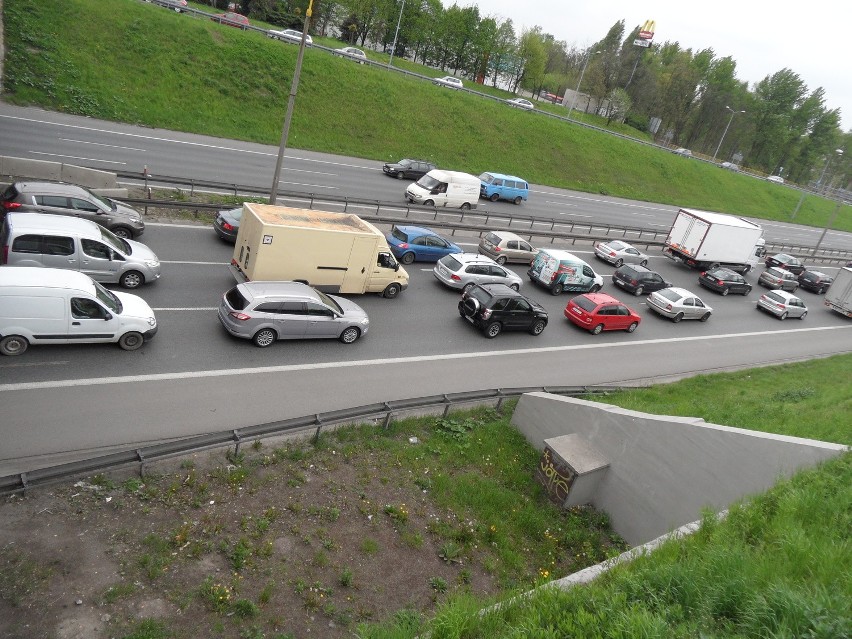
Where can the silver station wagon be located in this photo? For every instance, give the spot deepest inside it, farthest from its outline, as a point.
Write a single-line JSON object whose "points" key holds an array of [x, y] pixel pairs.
{"points": [[268, 311]]}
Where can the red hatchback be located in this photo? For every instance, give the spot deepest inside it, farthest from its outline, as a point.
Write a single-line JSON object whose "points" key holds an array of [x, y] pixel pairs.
{"points": [[598, 312], [231, 19]]}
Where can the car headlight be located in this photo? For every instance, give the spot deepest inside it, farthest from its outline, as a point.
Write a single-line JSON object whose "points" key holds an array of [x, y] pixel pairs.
{"points": [[152, 321], [364, 321], [152, 264]]}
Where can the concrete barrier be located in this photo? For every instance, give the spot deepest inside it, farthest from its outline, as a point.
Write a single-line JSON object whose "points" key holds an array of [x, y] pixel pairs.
{"points": [[20, 167], [663, 471], [100, 182]]}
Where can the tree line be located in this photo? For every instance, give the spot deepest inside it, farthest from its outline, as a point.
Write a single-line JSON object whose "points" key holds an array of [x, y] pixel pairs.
{"points": [[682, 97]]}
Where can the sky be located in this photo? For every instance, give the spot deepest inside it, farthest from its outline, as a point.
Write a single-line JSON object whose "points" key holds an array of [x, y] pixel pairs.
{"points": [[761, 36]]}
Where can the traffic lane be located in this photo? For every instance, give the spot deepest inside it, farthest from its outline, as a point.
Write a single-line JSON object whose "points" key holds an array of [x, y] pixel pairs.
{"points": [[135, 411]]}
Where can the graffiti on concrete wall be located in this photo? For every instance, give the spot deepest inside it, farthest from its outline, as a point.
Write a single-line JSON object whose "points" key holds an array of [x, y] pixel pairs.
{"points": [[555, 475]]}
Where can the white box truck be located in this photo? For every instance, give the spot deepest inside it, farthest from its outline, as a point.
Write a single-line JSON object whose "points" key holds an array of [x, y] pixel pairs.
{"points": [[838, 297], [705, 240], [334, 252], [445, 189]]}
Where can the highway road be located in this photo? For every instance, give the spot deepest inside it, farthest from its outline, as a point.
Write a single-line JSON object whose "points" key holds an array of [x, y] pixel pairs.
{"points": [[38, 134], [69, 402]]}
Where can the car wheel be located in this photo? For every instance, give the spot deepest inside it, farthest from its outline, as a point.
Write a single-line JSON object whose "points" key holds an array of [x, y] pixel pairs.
{"points": [[124, 232], [705, 317], [493, 330], [518, 200], [556, 289], [391, 291], [494, 197], [400, 175], [461, 309], [783, 316], [515, 286], [746, 269], [132, 279], [350, 335], [465, 206], [803, 315], [595, 288], [13, 345], [632, 327], [821, 291], [501, 260], [407, 258], [677, 318], [597, 329], [428, 203], [746, 291], [619, 263], [264, 337], [131, 341], [725, 291], [538, 327], [643, 263], [639, 290], [467, 287]]}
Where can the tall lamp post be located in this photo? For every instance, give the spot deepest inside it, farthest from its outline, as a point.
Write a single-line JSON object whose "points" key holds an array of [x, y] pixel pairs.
{"points": [[825, 168], [725, 132], [580, 81], [396, 33]]}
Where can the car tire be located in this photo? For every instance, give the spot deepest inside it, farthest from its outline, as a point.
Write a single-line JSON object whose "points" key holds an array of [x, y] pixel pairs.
{"points": [[12, 345], [803, 315], [400, 175], [632, 327], [132, 279], [350, 335], [465, 206], [746, 269], [131, 341], [517, 200], [494, 197], [391, 291], [618, 263], [124, 232], [746, 291], [556, 289], [822, 291], [595, 288], [725, 291], [639, 290], [501, 260], [704, 317], [538, 327], [643, 263], [407, 258], [783, 316], [466, 288], [264, 337], [677, 318], [429, 203], [515, 286], [597, 330], [492, 330]]}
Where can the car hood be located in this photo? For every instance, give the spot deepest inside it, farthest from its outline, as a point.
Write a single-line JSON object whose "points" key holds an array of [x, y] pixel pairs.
{"points": [[125, 209], [351, 310], [142, 252], [134, 306]]}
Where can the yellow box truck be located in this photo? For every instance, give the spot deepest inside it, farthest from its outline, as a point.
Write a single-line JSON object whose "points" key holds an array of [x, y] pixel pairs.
{"points": [[334, 252]]}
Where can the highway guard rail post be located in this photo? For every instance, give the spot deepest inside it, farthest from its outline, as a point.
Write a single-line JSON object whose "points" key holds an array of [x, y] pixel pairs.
{"points": [[383, 410]]}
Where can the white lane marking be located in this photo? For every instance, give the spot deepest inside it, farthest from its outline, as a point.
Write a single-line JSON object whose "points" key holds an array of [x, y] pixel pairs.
{"points": [[188, 308], [571, 213], [264, 370], [313, 186], [76, 157], [111, 146], [191, 262]]}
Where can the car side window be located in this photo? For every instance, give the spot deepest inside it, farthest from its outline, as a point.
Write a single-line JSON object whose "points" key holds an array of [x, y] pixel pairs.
{"points": [[58, 245], [631, 251], [84, 308], [419, 241], [520, 306], [497, 183], [699, 303], [52, 200], [93, 248], [524, 246], [689, 301], [588, 272], [476, 269], [267, 307], [318, 310], [622, 310], [27, 244], [653, 277], [83, 205], [436, 241], [385, 260], [496, 271], [292, 308], [500, 305]]}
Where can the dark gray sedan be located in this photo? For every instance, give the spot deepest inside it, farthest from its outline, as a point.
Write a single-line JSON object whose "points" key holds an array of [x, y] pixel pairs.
{"points": [[227, 224]]}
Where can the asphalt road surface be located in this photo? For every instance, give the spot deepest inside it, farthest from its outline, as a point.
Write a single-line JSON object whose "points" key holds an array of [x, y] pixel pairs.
{"points": [[62, 403]]}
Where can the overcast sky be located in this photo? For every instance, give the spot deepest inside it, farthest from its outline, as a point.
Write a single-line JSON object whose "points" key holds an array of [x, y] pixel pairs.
{"points": [[761, 36]]}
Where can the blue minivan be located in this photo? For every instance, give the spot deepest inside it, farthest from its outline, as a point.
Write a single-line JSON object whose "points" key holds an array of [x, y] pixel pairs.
{"points": [[496, 186]]}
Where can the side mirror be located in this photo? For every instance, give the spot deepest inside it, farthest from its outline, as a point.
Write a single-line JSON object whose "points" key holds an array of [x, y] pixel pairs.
{"points": [[108, 317], [396, 266]]}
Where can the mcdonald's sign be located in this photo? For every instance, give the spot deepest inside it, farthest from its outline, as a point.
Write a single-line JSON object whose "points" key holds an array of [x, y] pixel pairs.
{"points": [[647, 30]]}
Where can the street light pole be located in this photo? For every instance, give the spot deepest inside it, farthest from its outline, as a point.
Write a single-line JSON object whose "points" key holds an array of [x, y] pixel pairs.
{"points": [[825, 168], [291, 102], [396, 33], [830, 221], [580, 81], [733, 113]]}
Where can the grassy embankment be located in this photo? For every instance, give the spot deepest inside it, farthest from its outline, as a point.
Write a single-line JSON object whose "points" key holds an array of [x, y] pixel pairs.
{"points": [[133, 62]]}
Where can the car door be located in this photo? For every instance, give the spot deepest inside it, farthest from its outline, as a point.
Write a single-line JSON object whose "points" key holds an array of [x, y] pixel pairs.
{"points": [[88, 210], [58, 251], [437, 248], [53, 204], [497, 274], [97, 261], [321, 321], [696, 308], [525, 252], [477, 273], [91, 322], [653, 282], [632, 256], [290, 318], [519, 314]]}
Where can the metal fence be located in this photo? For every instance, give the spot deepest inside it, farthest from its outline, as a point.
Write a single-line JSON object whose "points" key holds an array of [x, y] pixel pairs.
{"points": [[384, 411]]}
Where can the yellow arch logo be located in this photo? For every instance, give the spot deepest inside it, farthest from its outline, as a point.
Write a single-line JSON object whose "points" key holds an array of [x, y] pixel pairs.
{"points": [[646, 32]]}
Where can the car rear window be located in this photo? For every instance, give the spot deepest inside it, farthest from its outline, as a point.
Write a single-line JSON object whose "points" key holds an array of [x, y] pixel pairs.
{"points": [[494, 239], [480, 295], [236, 299], [585, 303], [775, 297], [669, 294], [450, 262], [400, 235]]}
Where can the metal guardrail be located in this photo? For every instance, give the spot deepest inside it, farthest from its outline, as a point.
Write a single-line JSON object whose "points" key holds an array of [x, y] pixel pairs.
{"points": [[383, 410]]}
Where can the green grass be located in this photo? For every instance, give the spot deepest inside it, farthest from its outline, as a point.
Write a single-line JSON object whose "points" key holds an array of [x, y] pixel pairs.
{"points": [[133, 62], [777, 566]]}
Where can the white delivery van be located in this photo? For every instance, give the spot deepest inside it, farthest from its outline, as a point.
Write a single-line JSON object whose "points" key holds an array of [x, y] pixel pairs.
{"points": [[334, 252], [445, 189], [560, 270], [59, 241], [55, 306]]}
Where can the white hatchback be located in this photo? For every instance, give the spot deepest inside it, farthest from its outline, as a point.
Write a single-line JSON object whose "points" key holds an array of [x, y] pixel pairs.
{"points": [[782, 305], [449, 81]]}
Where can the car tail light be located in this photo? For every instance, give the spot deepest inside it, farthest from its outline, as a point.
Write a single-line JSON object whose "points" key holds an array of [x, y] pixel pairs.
{"points": [[703, 273], [668, 307], [403, 245], [497, 249], [239, 316], [227, 227], [11, 206], [455, 278], [486, 313], [720, 282], [612, 253], [634, 282]]}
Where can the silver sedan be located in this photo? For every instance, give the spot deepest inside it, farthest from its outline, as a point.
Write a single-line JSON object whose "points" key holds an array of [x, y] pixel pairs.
{"points": [[463, 270], [618, 253], [678, 303]]}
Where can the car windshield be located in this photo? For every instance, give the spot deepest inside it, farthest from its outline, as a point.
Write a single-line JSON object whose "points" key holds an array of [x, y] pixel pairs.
{"points": [[404, 163], [428, 182], [487, 178], [329, 301], [109, 299], [116, 242], [450, 262], [107, 203], [669, 294], [585, 303], [398, 234]]}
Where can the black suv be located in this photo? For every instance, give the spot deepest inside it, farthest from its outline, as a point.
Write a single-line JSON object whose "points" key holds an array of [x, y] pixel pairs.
{"points": [[411, 169], [638, 279], [494, 308], [815, 281]]}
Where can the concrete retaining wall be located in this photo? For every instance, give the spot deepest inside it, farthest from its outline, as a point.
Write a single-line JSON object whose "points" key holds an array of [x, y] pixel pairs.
{"points": [[665, 470], [101, 182]]}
